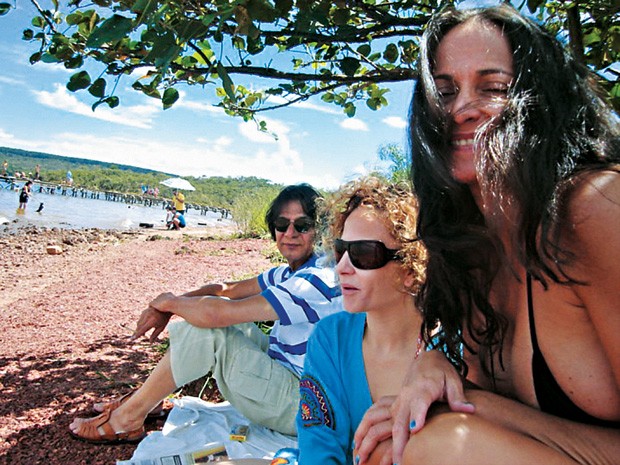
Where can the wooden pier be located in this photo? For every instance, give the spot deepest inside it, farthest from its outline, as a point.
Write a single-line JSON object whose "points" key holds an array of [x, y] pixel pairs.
{"points": [[111, 196]]}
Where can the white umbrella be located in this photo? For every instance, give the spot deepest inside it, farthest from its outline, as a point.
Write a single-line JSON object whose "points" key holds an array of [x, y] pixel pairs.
{"points": [[178, 183]]}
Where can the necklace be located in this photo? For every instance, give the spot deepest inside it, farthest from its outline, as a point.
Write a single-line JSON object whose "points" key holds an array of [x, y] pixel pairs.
{"points": [[419, 345]]}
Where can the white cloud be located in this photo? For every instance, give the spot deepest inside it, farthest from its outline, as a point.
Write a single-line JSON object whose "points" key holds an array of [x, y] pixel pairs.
{"points": [[6, 139], [354, 124], [395, 122], [184, 102], [277, 132], [280, 164], [223, 141], [10, 81], [139, 116]]}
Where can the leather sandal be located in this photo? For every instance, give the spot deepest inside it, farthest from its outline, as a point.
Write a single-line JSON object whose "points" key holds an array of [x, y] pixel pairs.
{"points": [[158, 413], [88, 430]]}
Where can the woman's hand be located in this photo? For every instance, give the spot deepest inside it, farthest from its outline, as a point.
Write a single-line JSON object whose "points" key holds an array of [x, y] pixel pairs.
{"points": [[376, 427], [151, 318], [431, 378]]}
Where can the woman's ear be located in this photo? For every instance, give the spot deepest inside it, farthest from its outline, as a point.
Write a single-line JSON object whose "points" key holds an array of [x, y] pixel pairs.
{"points": [[408, 279]]}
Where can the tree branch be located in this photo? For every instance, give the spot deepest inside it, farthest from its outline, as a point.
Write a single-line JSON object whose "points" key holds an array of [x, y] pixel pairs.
{"points": [[396, 75], [42, 13]]}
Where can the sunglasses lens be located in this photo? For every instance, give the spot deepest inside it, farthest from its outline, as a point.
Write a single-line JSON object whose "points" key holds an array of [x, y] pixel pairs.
{"points": [[301, 225], [364, 255], [339, 249], [281, 224], [367, 255]]}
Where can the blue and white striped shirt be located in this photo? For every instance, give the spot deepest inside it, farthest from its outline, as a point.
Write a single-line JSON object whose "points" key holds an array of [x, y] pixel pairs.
{"points": [[300, 299]]}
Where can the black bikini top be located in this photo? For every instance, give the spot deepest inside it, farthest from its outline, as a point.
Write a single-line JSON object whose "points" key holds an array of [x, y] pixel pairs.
{"points": [[551, 398]]}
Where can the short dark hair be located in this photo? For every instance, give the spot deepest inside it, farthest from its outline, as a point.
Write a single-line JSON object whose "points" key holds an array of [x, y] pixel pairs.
{"points": [[304, 193]]}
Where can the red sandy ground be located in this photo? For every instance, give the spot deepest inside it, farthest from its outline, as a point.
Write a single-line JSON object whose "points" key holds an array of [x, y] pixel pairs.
{"points": [[66, 318]]}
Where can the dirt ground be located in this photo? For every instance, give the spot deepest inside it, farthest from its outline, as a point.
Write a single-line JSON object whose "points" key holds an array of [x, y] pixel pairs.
{"points": [[66, 319]]}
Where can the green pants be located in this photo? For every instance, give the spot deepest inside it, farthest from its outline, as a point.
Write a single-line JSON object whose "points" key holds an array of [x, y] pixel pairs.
{"points": [[258, 386]]}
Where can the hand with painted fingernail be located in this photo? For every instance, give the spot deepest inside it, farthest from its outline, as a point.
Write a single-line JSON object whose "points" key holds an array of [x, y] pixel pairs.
{"points": [[431, 378]]}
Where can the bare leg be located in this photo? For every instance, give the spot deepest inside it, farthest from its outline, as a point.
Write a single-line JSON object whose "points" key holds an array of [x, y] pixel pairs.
{"points": [[131, 414], [505, 432], [464, 439]]}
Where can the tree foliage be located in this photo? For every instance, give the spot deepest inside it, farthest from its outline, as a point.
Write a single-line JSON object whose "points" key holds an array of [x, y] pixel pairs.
{"points": [[399, 168], [346, 51]]}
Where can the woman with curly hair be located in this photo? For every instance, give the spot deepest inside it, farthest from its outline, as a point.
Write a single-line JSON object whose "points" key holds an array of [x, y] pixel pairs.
{"points": [[361, 355], [515, 162]]}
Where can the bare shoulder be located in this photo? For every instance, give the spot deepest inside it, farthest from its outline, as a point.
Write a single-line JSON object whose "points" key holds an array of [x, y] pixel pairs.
{"points": [[593, 207], [595, 191]]}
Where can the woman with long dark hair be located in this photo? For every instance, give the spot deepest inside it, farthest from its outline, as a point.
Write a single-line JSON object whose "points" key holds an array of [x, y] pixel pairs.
{"points": [[515, 163]]}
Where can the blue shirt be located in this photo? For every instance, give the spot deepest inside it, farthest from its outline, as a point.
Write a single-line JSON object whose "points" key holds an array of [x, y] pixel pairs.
{"points": [[300, 299], [334, 390]]}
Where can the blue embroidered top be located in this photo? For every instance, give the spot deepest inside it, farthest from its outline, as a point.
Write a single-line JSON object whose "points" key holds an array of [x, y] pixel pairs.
{"points": [[334, 390]]}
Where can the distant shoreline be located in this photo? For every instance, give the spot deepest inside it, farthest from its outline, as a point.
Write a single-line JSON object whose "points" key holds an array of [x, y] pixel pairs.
{"points": [[219, 232]]}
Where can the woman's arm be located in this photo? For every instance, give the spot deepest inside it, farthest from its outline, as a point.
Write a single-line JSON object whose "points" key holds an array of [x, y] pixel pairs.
{"points": [[323, 419]]}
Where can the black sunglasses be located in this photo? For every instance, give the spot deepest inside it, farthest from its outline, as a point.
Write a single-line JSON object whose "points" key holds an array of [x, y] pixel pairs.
{"points": [[365, 255], [302, 225]]}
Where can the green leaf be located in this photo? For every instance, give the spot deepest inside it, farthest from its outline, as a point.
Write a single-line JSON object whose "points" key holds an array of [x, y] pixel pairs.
{"points": [[208, 19], [391, 53], [112, 29], [5, 8], [74, 62], [151, 91], [532, 5], [49, 58], [349, 65], [164, 50], [74, 18], [97, 89], [349, 110], [27, 34], [35, 58], [145, 10], [341, 16], [38, 21], [328, 97], [171, 95], [112, 102], [226, 81], [78, 81], [364, 50]]}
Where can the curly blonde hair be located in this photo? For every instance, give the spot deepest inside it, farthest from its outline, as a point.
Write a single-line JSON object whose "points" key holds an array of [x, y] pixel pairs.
{"points": [[398, 206]]}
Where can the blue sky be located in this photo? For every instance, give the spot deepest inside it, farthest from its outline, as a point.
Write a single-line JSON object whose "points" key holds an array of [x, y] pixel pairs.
{"points": [[317, 143]]}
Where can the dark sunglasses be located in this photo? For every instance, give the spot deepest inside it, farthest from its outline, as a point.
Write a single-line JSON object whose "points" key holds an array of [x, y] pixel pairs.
{"points": [[365, 255], [302, 224]]}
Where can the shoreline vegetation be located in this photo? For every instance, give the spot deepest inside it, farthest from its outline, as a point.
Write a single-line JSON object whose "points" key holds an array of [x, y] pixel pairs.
{"points": [[68, 318], [238, 196]]}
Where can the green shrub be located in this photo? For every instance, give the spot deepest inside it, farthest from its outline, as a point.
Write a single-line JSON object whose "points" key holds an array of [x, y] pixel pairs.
{"points": [[249, 210]]}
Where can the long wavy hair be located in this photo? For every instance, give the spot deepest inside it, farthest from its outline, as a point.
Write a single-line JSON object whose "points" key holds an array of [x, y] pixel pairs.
{"points": [[553, 128], [397, 206]]}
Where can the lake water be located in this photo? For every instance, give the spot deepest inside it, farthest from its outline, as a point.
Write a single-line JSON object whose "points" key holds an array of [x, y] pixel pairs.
{"points": [[64, 211]]}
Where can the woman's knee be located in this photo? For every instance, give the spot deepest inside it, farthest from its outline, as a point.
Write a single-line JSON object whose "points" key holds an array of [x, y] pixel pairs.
{"points": [[444, 440]]}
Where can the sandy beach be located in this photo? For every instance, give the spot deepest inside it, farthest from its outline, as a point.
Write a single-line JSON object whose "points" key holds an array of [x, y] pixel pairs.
{"points": [[66, 319]]}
